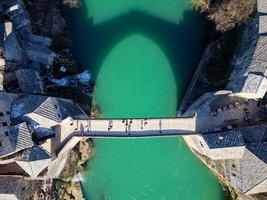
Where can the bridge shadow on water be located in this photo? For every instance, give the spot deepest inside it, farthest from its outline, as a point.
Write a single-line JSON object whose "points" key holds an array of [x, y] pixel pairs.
{"points": [[182, 43]]}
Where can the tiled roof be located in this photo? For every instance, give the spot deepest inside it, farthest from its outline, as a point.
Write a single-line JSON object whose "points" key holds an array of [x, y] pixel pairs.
{"points": [[262, 6], [48, 110], [250, 63], [252, 170], [259, 149], [34, 161], [29, 81], [44, 133], [69, 109], [224, 139], [41, 105], [21, 137], [254, 134], [38, 53], [35, 153], [9, 3]]}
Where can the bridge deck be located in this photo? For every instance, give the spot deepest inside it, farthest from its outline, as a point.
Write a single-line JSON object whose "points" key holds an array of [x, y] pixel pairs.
{"points": [[135, 127]]}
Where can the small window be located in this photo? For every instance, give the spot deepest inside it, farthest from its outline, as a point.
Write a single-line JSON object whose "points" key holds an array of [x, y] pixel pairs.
{"points": [[0, 143], [4, 123], [1, 114], [201, 144], [71, 124], [8, 113], [6, 133], [233, 166], [58, 115], [55, 106], [233, 174]]}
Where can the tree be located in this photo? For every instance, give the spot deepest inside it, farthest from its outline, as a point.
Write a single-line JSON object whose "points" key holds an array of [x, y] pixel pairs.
{"points": [[72, 3], [202, 5], [226, 14]]}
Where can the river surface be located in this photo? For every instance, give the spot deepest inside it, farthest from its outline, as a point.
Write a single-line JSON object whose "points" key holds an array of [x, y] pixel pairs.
{"points": [[143, 55]]}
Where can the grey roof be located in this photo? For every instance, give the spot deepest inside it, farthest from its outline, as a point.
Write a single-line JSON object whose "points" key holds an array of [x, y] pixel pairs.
{"points": [[13, 51], [69, 109], [34, 161], [34, 154], [8, 3], [224, 139], [29, 81], [6, 99], [1, 8], [259, 149], [254, 134], [41, 105], [262, 6], [44, 133], [21, 137], [263, 24], [38, 53], [2, 33], [252, 171], [13, 185], [35, 47], [43, 41], [251, 57]]}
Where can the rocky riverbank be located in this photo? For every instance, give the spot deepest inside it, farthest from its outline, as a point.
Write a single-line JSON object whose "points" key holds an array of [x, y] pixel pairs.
{"points": [[214, 68], [77, 158], [68, 186]]}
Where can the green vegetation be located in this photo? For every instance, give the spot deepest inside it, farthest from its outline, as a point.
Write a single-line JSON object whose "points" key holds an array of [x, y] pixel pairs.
{"points": [[226, 14], [66, 190], [202, 5], [96, 110]]}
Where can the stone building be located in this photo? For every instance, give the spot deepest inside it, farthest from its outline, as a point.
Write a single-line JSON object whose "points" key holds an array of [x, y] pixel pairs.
{"points": [[32, 47], [29, 139], [248, 78], [237, 151]]}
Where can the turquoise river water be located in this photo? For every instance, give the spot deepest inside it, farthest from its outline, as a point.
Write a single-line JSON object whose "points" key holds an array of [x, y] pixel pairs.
{"points": [[143, 54]]}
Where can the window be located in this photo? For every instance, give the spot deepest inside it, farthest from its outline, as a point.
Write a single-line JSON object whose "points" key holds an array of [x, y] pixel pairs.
{"points": [[4, 123], [6, 133], [201, 144], [8, 113], [233, 174], [55, 106], [1, 114], [0, 143], [233, 166], [58, 115]]}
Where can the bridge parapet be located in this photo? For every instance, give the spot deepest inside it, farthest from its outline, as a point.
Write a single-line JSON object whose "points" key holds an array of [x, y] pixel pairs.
{"points": [[135, 127]]}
